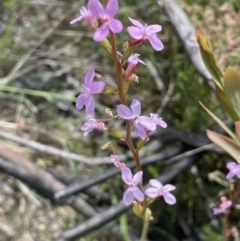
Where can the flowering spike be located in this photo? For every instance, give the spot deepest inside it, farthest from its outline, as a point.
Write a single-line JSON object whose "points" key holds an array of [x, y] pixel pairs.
{"points": [[141, 33], [106, 17], [90, 90]]}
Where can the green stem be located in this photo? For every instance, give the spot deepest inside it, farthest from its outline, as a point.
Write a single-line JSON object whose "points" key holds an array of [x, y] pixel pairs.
{"points": [[144, 230]]}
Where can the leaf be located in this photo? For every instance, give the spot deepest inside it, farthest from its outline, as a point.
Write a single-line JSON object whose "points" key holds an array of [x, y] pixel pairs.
{"points": [[227, 104], [222, 124], [209, 58], [232, 87], [226, 143]]}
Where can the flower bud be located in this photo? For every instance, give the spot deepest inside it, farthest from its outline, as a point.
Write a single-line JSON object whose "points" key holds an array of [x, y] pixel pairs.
{"points": [[114, 132], [109, 90], [137, 209]]}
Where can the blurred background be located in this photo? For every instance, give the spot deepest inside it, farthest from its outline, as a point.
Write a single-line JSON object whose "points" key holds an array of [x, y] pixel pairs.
{"points": [[43, 61]]}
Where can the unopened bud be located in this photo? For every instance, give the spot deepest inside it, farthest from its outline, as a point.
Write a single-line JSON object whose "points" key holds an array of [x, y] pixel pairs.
{"points": [[115, 132], [137, 209], [109, 90]]}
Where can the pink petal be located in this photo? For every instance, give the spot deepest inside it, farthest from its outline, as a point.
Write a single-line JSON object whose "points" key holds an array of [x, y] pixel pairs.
{"points": [[116, 26], [161, 123], [112, 8], [226, 204], [231, 165], [136, 23], [156, 183], [127, 175], [137, 178], [101, 33], [154, 28], [138, 194], [136, 107], [168, 188], [230, 175], [97, 87], [96, 8], [124, 112], [141, 132], [90, 106], [156, 43], [135, 32], [76, 19], [80, 101], [217, 211], [147, 122], [169, 198], [128, 197], [152, 192], [89, 77]]}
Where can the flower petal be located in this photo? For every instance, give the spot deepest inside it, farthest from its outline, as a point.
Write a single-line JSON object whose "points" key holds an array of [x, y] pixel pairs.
{"points": [[226, 204], [138, 194], [168, 188], [80, 101], [97, 87], [147, 122], [137, 178], [136, 23], [89, 103], [141, 131], [169, 198], [156, 43], [127, 175], [217, 211], [135, 32], [231, 165], [152, 192], [156, 183], [89, 77], [154, 28], [124, 112], [96, 8], [230, 175], [136, 107], [128, 197], [77, 19], [101, 33], [112, 8], [116, 26]]}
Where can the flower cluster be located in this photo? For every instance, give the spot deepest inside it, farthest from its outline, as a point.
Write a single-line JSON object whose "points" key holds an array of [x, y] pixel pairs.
{"points": [[102, 21]]}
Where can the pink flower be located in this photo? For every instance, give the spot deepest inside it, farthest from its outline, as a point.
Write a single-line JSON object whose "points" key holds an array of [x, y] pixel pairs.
{"points": [[106, 17], [234, 170], [92, 124], [159, 190], [141, 33], [90, 90], [158, 121], [223, 207], [141, 123], [133, 60], [133, 190], [115, 160], [85, 13]]}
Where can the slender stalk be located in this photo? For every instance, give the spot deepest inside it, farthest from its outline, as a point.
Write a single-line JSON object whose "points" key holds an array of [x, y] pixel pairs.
{"points": [[128, 138], [144, 230], [225, 226]]}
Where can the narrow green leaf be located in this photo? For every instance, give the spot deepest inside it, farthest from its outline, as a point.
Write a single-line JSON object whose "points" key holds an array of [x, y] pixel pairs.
{"points": [[230, 133], [227, 104], [232, 87], [226, 143]]}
